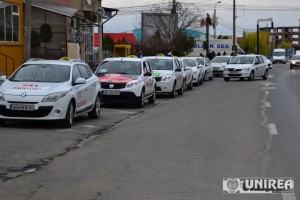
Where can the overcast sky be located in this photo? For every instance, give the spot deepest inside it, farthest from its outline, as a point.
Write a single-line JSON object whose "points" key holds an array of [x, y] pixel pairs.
{"points": [[284, 13]]}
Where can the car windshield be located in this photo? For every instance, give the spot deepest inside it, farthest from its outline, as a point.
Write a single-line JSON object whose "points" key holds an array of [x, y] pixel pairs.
{"points": [[278, 54], [161, 64], [42, 73], [191, 62], [296, 58], [120, 67], [219, 59], [242, 60]]}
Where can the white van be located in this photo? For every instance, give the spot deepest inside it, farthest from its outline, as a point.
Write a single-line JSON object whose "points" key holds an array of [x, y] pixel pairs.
{"points": [[279, 56]]}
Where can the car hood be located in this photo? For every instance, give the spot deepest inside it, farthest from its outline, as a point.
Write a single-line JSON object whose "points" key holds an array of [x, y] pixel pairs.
{"points": [[117, 78], [219, 64], [32, 88], [161, 73], [239, 66]]}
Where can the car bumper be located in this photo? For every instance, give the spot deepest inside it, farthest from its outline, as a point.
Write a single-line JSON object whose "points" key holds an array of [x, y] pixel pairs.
{"points": [[164, 87], [278, 61], [218, 72], [124, 96], [235, 74], [42, 110]]}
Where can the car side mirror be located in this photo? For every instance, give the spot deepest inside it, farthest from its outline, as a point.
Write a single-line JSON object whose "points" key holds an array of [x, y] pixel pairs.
{"points": [[79, 81], [148, 74], [177, 70], [3, 78]]}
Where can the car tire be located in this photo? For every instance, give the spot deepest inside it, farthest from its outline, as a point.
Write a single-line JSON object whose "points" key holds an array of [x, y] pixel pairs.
{"points": [[153, 96], [95, 113], [190, 87], [226, 79], [180, 91], [141, 100], [201, 81], [211, 77], [266, 74], [172, 94], [2, 122], [68, 121], [251, 77]]}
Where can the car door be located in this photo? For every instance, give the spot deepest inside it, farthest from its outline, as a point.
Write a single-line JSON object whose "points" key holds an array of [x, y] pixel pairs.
{"points": [[208, 66], [257, 66], [179, 74], [79, 90], [147, 79], [187, 70], [89, 86], [262, 66]]}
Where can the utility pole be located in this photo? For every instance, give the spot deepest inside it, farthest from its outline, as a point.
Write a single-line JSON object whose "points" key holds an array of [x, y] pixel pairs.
{"points": [[100, 40], [27, 45], [233, 35], [208, 23], [215, 18]]}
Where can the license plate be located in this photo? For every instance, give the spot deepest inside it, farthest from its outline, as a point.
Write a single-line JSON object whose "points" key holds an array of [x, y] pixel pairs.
{"points": [[111, 92], [22, 107]]}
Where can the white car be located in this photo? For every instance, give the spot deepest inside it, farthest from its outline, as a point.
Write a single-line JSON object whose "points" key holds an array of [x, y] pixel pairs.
{"points": [[126, 80], [246, 66], [219, 63], [268, 61], [187, 74], [197, 68], [206, 64], [168, 75], [50, 90]]}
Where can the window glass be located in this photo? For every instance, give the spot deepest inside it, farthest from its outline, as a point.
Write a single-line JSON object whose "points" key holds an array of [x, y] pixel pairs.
{"points": [[83, 71], [9, 22], [76, 74]]}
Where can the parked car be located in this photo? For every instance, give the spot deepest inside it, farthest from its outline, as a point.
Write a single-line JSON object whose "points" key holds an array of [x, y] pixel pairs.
{"points": [[197, 69], [206, 64], [187, 74], [50, 90], [126, 80], [268, 61], [168, 75], [246, 66], [295, 61], [219, 63]]}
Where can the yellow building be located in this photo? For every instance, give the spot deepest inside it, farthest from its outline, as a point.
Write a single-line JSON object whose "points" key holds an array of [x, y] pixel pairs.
{"points": [[11, 35]]}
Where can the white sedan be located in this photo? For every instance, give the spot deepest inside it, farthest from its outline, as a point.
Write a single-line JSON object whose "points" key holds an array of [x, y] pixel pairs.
{"points": [[50, 90]]}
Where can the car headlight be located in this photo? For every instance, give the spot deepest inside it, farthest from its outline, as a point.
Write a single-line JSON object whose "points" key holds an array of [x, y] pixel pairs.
{"points": [[293, 62], [54, 97], [246, 70], [132, 83], [166, 78], [1, 96]]}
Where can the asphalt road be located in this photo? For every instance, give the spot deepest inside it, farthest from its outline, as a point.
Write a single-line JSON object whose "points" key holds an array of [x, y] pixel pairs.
{"points": [[177, 149]]}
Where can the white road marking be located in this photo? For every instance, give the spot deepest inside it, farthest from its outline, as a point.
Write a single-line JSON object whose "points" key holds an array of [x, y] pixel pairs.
{"points": [[268, 104], [272, 129], [288, 196], [268, 88], [267, 92], [271, 76], [267, 84]]}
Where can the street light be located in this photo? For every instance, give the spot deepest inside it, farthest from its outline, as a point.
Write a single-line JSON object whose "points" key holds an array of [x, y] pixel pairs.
{"points": [[215, 12]]}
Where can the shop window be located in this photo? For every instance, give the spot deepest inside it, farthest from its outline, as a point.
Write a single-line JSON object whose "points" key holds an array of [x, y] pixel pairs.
{"points": [[9, 22]]}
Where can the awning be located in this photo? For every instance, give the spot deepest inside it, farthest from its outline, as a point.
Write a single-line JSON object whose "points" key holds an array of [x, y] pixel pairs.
{"points": [[54, 7]]}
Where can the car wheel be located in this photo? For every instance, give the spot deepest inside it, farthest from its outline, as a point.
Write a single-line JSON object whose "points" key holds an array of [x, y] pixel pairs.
{"points": [[190, 87], [141, 101], [153, 96], [266, 74], [95, 113], [68, 121], [211, 77], [226, 79], [2, 122], [172, 94], [201, 81], [180, 91], [251, 77]]}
